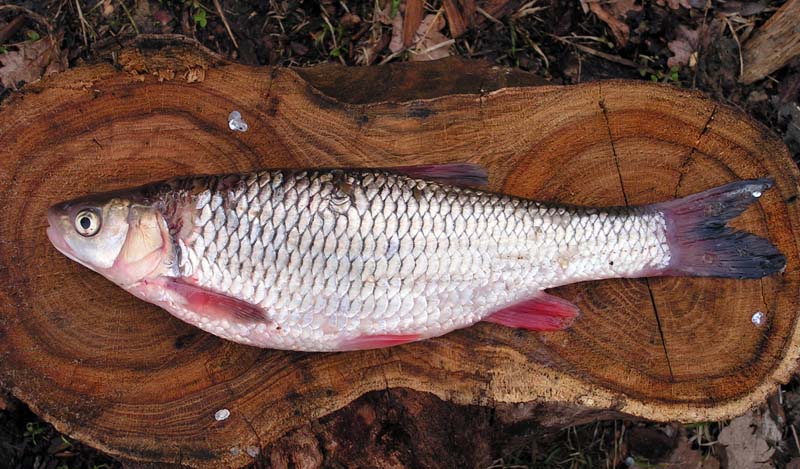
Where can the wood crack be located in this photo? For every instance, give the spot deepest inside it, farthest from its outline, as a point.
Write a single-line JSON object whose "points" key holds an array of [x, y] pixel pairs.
{"points": [[273, 74], [660, 329], [763, 296], [685, 164], [602, 103], [253, 429], [387, 353], [234, 398], [481, 112]]}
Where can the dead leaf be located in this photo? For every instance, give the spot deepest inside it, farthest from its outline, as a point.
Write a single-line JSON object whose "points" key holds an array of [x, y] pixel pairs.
{"points": [[684, 456], [621, 8], [350, 20], [686, 43], [675, 4], [108, 8], [749, 440], [396, 44], [430, 43], [163, 17], [651, 444], [370, 52], [613, 14], [298, 48], [384, 15], [743, 8], [31, 61]]}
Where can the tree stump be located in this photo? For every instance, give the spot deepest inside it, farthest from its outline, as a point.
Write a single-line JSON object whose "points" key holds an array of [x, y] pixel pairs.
{"points": [[130, 379]]}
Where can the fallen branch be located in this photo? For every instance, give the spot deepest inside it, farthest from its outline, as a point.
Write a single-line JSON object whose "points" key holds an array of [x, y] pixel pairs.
{"points": [[773, 45]]}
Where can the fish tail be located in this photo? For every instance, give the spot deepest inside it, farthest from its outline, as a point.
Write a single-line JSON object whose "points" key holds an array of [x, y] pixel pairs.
{"points": [[700, 242]]}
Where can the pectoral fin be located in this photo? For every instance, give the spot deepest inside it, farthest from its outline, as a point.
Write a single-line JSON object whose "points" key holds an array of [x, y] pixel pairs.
{"points": [[212, 304]]}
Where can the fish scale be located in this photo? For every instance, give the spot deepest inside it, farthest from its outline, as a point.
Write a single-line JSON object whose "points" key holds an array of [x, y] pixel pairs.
{"points": [[327, 253]]}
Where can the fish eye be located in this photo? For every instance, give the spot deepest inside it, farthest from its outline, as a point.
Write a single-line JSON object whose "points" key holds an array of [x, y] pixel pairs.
{"points": [[87, 223]]}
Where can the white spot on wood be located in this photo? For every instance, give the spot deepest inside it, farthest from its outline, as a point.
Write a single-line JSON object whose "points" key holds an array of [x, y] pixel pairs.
{"points": [[236, 123], [252, 451], [758, 318], [222, 414]]}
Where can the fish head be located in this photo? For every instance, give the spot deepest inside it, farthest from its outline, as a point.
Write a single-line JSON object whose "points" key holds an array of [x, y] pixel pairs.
{"points": [[117, 236]]}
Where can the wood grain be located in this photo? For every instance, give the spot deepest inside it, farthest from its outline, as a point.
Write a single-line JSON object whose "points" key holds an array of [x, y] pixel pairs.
{"points": [[130, 379]]}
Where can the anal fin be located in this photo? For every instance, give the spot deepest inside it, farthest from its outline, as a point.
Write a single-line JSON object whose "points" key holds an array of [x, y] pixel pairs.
{"points": [[543, 312], [366, 342]]}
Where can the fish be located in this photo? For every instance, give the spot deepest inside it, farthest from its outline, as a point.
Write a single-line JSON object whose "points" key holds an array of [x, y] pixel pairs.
{"points": [[327, 260]]}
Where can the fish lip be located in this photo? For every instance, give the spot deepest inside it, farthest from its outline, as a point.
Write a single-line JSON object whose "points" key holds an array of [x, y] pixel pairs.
{"points": [[54, 236]]}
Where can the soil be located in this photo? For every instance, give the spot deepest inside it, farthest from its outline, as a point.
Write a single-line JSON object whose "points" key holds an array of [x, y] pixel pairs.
{"points": [[687, 43]]}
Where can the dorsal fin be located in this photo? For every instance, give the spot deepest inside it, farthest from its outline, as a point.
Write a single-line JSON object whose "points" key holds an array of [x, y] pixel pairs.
{"points": [[460, 174]]}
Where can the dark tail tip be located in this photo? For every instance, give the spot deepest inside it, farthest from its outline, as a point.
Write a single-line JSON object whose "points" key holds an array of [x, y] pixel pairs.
{"points": [[702, 245]]}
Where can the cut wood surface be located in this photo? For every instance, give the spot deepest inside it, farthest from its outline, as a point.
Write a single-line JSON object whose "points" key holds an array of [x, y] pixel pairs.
{"points": [[132, 380], [774, 44]]}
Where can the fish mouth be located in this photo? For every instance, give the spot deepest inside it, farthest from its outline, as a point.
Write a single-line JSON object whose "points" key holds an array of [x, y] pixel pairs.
{"points": [[56, 239]]}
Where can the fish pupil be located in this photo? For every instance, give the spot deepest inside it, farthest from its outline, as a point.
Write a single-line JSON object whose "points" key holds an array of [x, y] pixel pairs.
{"points": [[85, 223]]}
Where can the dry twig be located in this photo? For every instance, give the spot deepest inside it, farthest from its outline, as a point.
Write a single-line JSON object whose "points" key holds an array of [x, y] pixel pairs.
{"points": [[738, 45], [488, 16], [11, 28], [130, 17], [83, 23], [597, 53], [34, 16], [333, 36], [225, 22]]}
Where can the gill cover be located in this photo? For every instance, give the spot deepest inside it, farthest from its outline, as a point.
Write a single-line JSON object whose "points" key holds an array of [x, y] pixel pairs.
{"points": [[146, 246]]}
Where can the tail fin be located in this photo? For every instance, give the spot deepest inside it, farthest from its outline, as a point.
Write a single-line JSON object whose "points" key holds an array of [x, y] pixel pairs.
{"points": [[702, 245]]}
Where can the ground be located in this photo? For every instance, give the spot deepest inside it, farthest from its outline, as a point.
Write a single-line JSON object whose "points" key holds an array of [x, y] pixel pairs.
{"points": [[688, 43]]}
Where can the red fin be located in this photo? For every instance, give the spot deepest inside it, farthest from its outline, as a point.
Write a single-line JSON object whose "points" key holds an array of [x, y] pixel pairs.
{"points": [[451, 173], [365, 342], [543, 312], [213, 304]]}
